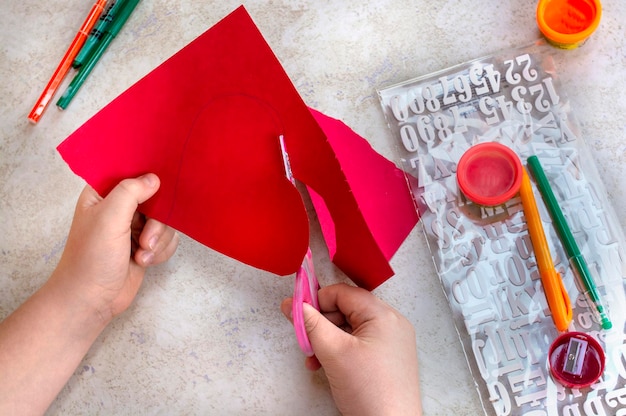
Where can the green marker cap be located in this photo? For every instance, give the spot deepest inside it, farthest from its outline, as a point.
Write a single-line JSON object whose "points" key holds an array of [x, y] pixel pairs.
{"points": [[97, 33], [120, 20]]}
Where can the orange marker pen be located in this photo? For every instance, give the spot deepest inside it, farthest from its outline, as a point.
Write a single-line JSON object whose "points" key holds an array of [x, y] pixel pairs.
{"points": [[66, 62], [556, 295]]}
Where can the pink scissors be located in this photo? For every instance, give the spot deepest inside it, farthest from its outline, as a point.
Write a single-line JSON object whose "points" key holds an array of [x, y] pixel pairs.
{"points": [[306, 285]]}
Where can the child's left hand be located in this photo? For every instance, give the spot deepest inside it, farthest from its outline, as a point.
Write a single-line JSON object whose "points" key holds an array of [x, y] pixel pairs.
{"points": [[110, 245]]}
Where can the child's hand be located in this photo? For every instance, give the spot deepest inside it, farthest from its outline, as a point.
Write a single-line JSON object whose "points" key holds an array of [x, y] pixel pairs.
{"points": [[367, 350], [100, 271], [110, 245]]}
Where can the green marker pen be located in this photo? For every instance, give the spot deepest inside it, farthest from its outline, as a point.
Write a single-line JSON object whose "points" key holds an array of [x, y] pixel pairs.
{"points": [[576, 259], [97, 32], [85, 70]]}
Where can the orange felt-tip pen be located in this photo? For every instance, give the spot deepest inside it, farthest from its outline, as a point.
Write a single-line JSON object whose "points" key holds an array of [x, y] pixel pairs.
{"points": [[66, 62], [556, 295]]}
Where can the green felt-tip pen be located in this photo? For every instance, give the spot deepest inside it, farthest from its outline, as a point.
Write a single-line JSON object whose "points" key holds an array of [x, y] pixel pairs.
{"points": [[576, 259], [85, 70], [98, 32]]}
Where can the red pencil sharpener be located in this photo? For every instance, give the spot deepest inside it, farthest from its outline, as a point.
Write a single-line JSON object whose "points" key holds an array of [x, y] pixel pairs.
{"points": [[576, 360]]}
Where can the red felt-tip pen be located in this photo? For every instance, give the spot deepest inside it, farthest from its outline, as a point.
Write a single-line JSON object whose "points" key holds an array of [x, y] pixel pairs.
{"points": [[66, 62]]}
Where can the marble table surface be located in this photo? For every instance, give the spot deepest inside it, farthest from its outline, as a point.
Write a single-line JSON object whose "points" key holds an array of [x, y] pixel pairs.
{"points": [[205, 334]]}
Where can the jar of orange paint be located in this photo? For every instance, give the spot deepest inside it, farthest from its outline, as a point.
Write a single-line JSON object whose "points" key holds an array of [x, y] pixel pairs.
{"points": [[567, 24]]}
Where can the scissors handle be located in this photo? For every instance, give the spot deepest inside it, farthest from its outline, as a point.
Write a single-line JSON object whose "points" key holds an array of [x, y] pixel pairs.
{"points": [[305, 290]]}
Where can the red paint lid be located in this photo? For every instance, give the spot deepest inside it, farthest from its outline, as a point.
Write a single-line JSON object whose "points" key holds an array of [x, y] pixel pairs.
{"points": [[576, 360], [489, 173]]}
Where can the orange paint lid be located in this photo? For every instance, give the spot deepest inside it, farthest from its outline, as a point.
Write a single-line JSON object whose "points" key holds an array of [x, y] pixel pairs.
{"points": [[568, 23]]}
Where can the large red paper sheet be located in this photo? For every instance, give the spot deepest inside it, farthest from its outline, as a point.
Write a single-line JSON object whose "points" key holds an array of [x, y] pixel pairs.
{"points": [[207, 121]]}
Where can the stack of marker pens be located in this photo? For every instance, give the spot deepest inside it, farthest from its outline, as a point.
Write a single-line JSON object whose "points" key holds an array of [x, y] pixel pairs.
{"points": [[93, 38], [66, 62], [102, 37]]}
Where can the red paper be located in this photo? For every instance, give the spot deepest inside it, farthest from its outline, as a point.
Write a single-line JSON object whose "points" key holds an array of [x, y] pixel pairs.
{"points": [[207, 122], [381, 192]]}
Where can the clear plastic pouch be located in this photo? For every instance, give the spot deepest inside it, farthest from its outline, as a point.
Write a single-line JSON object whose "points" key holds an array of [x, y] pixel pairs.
{"points": [[483, 255]]}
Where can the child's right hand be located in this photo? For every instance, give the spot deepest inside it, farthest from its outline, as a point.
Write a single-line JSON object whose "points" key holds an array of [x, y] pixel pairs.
{"points": [[367, 350]]}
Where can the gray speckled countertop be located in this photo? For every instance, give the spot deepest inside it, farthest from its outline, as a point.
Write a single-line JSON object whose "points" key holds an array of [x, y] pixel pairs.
{"points": [[205, 334]]}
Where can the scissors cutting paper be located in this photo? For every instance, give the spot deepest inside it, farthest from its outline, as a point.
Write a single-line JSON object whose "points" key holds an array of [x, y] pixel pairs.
{"points": [[306, 284]]}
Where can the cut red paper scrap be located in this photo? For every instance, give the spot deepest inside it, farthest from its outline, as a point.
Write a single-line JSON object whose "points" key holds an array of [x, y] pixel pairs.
{"points": [[207, 123], [381, 192]]}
